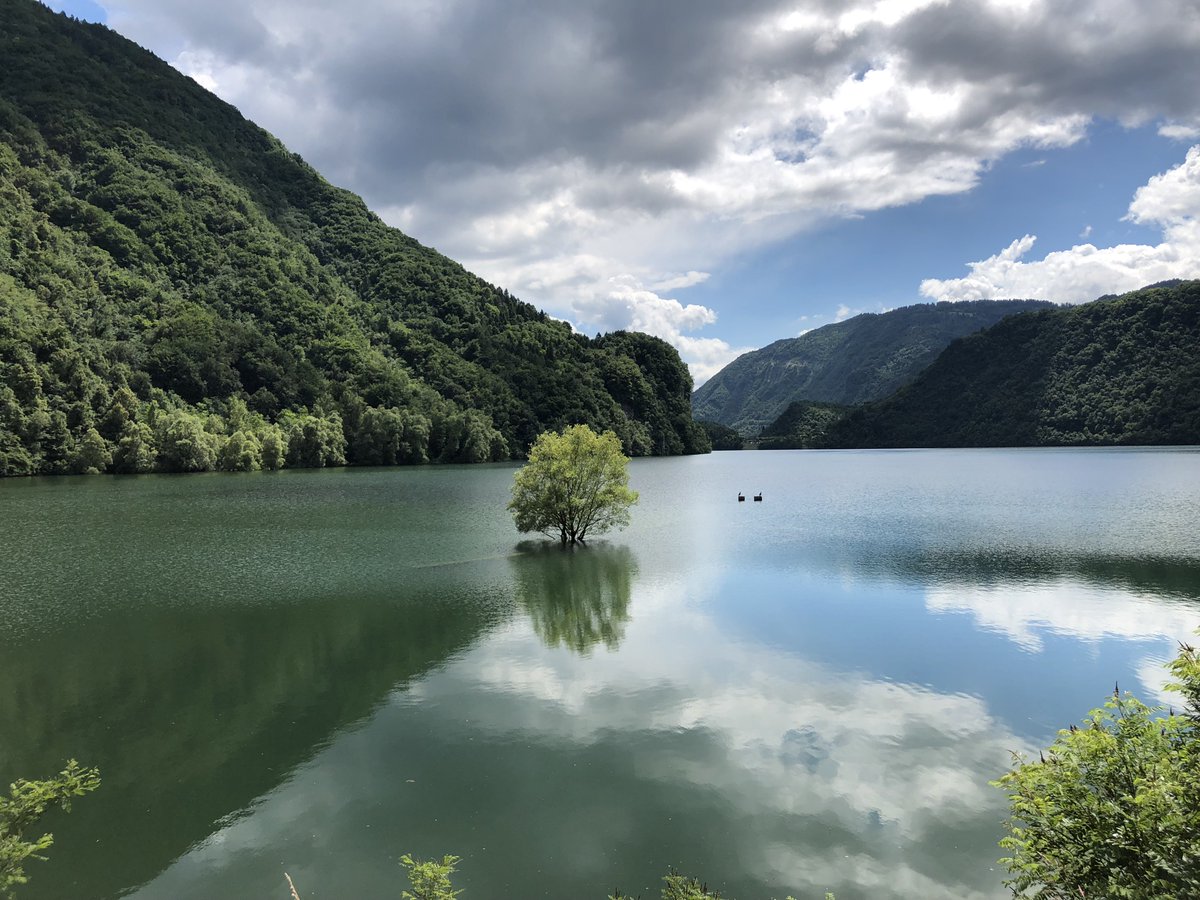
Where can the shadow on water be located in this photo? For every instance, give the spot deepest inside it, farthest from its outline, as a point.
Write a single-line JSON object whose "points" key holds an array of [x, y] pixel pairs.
{"points": [[192, 716], [575, 598], [1153, 576]]}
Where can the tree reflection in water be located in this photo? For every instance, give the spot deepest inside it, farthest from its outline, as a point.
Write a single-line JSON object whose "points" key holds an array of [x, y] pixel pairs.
{"points": [[577, 597]]}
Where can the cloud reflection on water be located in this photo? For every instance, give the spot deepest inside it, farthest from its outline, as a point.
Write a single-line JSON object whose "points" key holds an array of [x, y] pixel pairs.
{"points": [[805, 778], [1089, 613], [860, 769]]}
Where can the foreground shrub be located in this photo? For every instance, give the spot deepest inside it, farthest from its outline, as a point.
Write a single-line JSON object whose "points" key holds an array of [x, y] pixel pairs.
{"points": [[20, 811], [1112, 809]]}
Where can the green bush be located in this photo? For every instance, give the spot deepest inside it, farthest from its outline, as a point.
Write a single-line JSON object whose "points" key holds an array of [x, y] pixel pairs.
{"points": [[1112, 809]]}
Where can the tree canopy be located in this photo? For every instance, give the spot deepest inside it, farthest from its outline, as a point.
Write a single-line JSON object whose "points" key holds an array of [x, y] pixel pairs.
{"points": [[575, 483]]}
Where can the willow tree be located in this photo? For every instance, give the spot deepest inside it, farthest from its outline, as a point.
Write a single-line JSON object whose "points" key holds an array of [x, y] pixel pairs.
{"points": [[576, 483]]}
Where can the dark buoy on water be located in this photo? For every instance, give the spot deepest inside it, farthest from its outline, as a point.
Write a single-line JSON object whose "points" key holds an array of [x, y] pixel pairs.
{"points": [[758, 497], [741, 498]]}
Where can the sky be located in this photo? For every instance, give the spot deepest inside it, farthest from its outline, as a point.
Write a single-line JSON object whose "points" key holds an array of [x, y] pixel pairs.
{"points": [[727, 174]]}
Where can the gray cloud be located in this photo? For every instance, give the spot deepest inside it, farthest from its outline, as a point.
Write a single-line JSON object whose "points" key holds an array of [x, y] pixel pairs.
{"points": [[1099, 58]]}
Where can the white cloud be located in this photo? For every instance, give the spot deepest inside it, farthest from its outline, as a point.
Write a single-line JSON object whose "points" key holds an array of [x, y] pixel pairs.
{"points": [[1179, 132], [1170, 201], [626, 303], [707, 356], [678, 282]]}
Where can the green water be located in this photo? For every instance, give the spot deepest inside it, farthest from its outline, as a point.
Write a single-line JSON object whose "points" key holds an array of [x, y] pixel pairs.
{"points": [[314, 672]]}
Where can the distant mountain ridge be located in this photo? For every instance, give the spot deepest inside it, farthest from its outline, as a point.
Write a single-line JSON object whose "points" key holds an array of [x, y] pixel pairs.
{"points": [[180, 292], [863, 358], [1118, 371]]}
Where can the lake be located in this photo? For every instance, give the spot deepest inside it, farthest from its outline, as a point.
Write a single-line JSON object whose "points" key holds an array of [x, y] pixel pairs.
{"points": [[314, 672]]}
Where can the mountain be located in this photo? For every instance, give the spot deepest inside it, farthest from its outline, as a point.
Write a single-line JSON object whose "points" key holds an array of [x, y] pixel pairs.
{"points": [[847, 363], [1122, 370], [178, 291]]}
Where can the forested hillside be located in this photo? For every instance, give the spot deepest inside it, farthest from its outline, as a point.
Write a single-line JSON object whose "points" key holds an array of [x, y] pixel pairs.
{"points": [[804, 425], [1122, 370], [864, 358], [179, 292]]}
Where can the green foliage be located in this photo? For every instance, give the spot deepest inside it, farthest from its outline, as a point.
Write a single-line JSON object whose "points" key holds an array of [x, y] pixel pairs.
{"points": [[164, 263], [92, 455], [1123, 370], [575, 482], [183, 444], [722, 437], [26, 803], [682, 887], [241, 452], [430, 879], [1112, 809], [802, 426], [313, 441], [861, 359]]}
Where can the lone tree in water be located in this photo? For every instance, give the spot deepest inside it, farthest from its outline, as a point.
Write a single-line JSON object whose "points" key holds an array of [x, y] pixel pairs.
{"points": [[576, 483]]}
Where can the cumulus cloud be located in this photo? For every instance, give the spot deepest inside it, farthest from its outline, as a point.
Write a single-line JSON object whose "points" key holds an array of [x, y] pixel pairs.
{"points": [[667, 137], [626, 302], [1170, 201]]}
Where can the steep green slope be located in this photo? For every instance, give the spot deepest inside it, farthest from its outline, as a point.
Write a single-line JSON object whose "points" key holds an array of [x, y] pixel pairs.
{"points": [[179, 292], [864, 358], [802, 426], [1116, 371], [722, 437]]}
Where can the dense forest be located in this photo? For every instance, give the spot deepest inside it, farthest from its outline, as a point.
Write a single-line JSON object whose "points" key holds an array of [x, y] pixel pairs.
{"points": [[861, 359], [179, 292], [1120, 370], [722, 437], [804, 425]]}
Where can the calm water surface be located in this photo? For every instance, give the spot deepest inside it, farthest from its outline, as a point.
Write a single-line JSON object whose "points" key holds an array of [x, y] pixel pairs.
{"points": [[314, 672]]}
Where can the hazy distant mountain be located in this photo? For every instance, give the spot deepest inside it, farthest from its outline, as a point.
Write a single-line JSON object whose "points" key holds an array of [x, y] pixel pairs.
{"points": [[1123, 370], [864, 358]]}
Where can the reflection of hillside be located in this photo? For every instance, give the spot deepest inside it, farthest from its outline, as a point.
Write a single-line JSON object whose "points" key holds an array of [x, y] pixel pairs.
{"points": [[576, 598], [191, 717], [1161, 577]]}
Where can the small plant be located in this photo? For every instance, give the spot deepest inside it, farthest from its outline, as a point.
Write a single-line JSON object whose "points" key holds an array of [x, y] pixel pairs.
{"points": [[25, 804], [430, 879]]}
